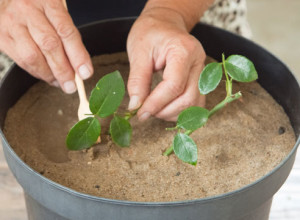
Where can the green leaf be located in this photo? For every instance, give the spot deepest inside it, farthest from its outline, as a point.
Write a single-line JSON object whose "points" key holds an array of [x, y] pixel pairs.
{"points": [[107, 95], [240, 68], [192, 118], [120, 130], [83, 134], [185, 148], [210, 78]]}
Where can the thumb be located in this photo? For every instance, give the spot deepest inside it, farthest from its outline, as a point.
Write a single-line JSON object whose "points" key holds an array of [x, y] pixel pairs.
{"points": [[139, 81]]}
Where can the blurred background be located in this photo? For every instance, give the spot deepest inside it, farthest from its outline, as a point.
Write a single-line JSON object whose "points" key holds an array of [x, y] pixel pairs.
{"points": [[276, 26]]}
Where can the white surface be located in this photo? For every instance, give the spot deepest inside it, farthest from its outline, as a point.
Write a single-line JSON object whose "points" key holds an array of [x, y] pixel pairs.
{"points": [[286, 202]]}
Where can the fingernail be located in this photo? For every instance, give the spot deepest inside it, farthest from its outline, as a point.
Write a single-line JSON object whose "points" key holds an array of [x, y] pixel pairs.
{"points": [[70, 87], [55, 83], [84, 72], [144, 116], [134, 102]]}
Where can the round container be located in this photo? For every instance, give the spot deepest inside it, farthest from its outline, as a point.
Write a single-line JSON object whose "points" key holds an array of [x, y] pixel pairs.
{"points": [[46, 199]]}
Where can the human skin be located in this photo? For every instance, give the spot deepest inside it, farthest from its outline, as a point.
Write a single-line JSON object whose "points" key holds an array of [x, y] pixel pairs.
{"points": [[158, 40], [40, 37]]}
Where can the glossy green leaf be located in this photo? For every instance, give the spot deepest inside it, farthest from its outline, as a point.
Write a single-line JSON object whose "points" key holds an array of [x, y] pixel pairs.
{"points": [[210, 78], [185, 148], [107, 95], [240, 68], [192, 118], [83, 134], [121, 131]]}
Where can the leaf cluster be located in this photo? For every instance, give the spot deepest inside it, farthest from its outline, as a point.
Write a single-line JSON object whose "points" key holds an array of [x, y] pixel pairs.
{"points": [[235, 67], [104, 101]]}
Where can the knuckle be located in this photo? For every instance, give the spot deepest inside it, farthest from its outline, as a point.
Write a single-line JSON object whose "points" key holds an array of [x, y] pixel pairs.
{"points": [[59, 74], [49, 78], [63, 73], [187, 46], [188, 102], [134, 81], [138, 84], [21, 62], [49, 43], [65, 30], [24, 3], [175, 88], [30, 58], [190, 43], [54, 4]]}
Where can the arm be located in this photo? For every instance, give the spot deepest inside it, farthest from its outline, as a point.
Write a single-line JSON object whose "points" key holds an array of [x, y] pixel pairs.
{"points": [[189, 11]]}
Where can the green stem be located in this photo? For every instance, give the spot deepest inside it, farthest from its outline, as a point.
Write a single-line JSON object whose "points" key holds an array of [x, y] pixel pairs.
{"points": [[228, 81], [171, 129], [213, 111], [189, 132], [222, 104], [168, 151], [223, 63], [89, 114], [129, 115]]}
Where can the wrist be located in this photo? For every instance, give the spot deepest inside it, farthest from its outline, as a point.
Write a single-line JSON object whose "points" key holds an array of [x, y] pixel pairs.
{"points": [[165, 15], [185, 13]]}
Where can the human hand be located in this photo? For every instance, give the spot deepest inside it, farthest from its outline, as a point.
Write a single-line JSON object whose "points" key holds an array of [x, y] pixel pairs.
{"points": [[157, 40], [40, 37]]}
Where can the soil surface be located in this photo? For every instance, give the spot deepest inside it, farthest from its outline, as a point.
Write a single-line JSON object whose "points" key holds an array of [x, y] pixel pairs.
{"points": [[238, 145]]}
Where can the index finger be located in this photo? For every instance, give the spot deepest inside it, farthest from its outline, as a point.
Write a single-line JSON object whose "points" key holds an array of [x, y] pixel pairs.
{"points": [[76, 52], [175, 77]]}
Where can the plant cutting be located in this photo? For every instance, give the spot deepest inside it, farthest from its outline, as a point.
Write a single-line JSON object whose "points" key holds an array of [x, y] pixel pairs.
{"points": [[104, 101], [108, 94], [235, 67]]}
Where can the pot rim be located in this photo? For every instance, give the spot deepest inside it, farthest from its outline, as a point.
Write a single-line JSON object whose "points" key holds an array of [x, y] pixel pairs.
{"points": [[136, 203]]}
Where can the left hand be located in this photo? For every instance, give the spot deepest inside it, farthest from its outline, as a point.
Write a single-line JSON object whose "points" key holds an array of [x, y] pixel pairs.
{"points": [[159, 40]]}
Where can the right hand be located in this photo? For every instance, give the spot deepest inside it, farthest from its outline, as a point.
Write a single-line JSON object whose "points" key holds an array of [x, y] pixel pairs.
{"points": [[159, 40], [40, 37]]}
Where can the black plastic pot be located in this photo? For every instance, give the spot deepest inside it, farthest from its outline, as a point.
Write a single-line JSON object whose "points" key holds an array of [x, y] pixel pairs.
{"points": [[46, 199]]}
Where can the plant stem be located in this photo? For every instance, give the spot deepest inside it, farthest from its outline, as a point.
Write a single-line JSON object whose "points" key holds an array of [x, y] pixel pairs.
{"points": [[219, 106], [171, 129], [189, 132], [168, 151], [222, 104], [129, 115], [228, 81], [223, 63]]}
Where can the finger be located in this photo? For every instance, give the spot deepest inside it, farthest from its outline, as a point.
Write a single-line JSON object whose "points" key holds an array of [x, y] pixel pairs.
{"points": [[51, 47], [175, 77], [28, 56], [139, 81], [171, 112], [76, 52], [190, 97]]}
